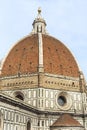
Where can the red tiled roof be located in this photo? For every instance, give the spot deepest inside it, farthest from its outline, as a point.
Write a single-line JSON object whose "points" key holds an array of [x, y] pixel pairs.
{"points": [[66, 120], [23, 58]]}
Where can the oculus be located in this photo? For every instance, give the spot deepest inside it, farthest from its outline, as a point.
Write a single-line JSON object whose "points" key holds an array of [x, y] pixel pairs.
{"points": [[64, 101]]}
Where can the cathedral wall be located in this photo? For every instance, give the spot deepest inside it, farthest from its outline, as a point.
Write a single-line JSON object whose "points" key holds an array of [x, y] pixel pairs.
{"points": [[16, 119], [51, 94], [47, 99]]}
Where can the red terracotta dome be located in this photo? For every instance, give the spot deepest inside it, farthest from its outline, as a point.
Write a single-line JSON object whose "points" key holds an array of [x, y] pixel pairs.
{"points": [[23, 58], [40, 50]]}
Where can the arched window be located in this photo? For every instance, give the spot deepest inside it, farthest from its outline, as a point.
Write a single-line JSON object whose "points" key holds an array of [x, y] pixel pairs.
{"points": [[28, 125], [19, 95], [39, 28]]}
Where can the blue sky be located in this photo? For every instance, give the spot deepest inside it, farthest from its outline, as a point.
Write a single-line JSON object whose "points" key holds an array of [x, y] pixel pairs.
{"points": [[66, 20]]}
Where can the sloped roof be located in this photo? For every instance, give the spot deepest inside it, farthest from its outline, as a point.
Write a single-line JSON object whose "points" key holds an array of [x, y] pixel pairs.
{"points": [[66, 120]]}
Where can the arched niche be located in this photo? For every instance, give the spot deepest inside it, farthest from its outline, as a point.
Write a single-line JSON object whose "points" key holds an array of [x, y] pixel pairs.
{"points": [[28, 125]]}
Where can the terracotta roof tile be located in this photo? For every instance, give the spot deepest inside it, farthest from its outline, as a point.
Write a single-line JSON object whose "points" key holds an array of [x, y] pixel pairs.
{"points": [[58, 59], [23, 58], [66, 120]]}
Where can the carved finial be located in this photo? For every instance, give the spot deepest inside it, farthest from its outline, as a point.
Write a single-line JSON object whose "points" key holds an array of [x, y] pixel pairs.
{"points": [[39, 12]]}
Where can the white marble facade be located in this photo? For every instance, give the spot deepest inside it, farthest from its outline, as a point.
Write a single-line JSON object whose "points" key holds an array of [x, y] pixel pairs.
{"points": [[15, 118]]}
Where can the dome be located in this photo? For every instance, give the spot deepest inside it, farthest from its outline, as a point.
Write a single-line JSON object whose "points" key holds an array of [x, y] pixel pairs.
{"points": [[23, 57], [40, 50]]}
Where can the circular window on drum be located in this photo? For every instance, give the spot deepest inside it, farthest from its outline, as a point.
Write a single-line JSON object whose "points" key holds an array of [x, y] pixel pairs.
{"points": [[64, 101], [19, 95]]}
